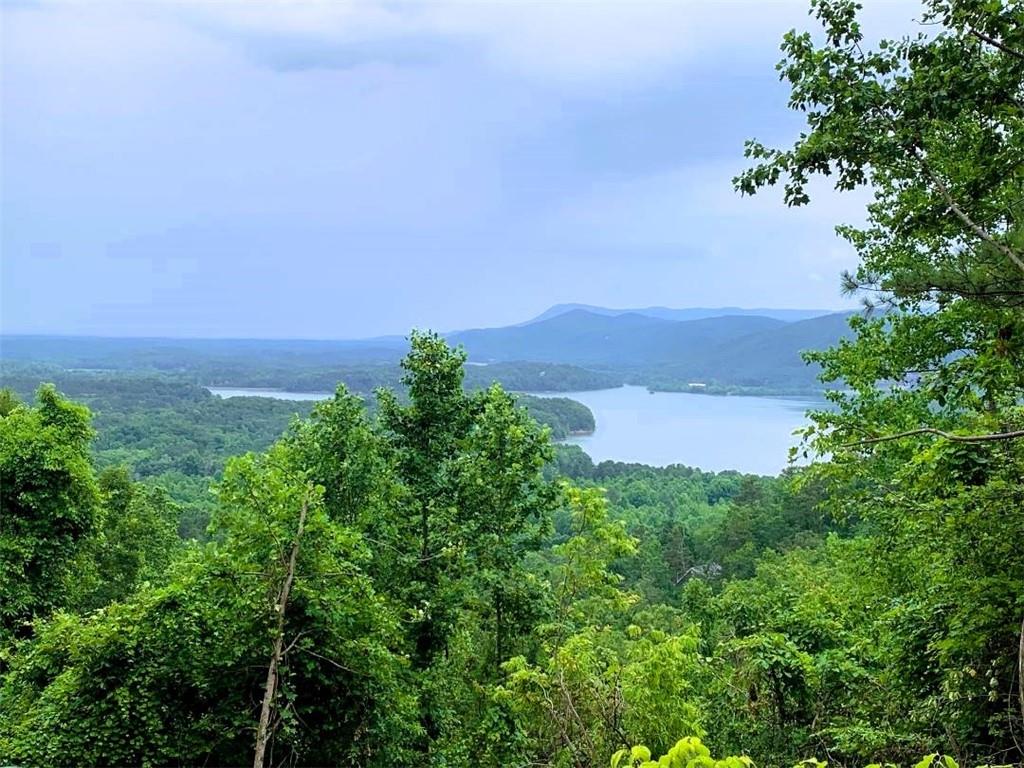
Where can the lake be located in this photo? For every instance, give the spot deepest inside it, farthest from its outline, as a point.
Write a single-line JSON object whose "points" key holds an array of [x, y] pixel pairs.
{"points": [[278, 394], [713, 432]]}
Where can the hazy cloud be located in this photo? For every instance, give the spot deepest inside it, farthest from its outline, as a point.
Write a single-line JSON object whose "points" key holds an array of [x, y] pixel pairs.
{"points": [[338, 169]]}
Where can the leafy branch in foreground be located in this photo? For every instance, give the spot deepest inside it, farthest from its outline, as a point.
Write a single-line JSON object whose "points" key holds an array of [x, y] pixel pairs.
{"points": [[940, 433], [691, 753]]}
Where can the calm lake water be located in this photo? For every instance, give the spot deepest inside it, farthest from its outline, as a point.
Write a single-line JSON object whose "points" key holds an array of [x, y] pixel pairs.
{"points": [[750, 434], [278, 394]]}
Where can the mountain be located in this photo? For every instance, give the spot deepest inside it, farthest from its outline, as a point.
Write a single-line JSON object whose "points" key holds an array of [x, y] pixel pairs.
{"points": [[747, 351], [586, 338], [691, 313], [591, 348], [774, 350], [769, 359]]}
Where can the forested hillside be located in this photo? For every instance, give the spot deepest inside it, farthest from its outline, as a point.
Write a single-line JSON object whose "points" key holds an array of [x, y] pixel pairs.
{"points": [[590, 339], [177, 436], [298, 366], [421, 578], [526, 619], [770, 360], [574, 350], [742, 352]]}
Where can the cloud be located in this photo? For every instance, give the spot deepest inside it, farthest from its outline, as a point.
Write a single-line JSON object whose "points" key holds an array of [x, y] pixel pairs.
{"points": [[572, 42], [558, 43], [339, 169], [293, 36]]}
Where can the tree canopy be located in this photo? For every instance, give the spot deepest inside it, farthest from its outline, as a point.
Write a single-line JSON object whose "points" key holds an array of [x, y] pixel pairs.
{"points": [[425, 580]]}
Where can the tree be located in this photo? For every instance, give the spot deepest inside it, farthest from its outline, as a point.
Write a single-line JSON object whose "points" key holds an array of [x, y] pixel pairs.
{"points": [[339, 449], [933, 124], [271, 634], [505, 508], [8, 401], [135, 540], [328, 633], [472, 502], [925, 440], [48, 504], [586, 589], [424, 437], [569, 702]]}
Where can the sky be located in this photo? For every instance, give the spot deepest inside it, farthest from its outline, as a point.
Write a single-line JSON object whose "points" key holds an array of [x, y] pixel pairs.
{"points": [[284, 169]]}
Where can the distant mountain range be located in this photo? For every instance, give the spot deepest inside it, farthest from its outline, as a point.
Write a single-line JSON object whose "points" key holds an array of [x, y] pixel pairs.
{"points": [[725, 349], [631, 339], [689, 313], [740, 351]]}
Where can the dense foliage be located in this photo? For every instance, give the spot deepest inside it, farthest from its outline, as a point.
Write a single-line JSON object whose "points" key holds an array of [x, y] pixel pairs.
{"points": [[451, 598], [429, 582], [173, 434], [562, 415], [49, 498]]}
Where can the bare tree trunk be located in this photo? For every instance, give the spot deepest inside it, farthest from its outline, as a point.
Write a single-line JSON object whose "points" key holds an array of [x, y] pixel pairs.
{"points": [[499, 646], [264, 731], [1020, 670]]}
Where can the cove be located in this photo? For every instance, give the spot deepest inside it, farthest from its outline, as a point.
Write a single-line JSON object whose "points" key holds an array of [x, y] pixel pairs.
{"points": [[712, 432]]}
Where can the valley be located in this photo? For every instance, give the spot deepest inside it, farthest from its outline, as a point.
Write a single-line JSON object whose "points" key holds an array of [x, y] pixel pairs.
{"points": [[418, 385]]}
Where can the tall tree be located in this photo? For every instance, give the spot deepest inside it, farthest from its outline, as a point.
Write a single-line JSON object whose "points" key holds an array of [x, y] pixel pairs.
{"points": [[505, 508], [424, 436], [926, 437], [48, 504]]}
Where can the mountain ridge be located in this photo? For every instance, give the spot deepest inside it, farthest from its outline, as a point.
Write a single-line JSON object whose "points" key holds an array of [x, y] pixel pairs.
{"points": [[683, 313], [745, 352], [585, 338], [750, 352]]}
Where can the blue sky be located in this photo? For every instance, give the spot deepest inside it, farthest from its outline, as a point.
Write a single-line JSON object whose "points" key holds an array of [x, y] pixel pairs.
{"points": [[338, 170]]}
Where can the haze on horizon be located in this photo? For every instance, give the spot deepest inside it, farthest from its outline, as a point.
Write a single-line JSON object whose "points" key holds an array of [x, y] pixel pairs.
{"points": [[314, 170]]}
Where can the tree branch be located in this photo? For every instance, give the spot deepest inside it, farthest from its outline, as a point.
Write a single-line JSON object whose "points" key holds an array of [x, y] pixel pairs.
{"points": [[1020, 668], [332, 662], [997, 44], [962, 215], [932, 431], [264, 731]]}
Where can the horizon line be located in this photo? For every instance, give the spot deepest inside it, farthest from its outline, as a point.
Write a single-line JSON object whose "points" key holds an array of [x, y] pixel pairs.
{"points": [[386, 337]]}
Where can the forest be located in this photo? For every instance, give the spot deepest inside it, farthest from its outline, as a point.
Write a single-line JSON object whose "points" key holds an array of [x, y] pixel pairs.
{"points": [[421, 577], [263, 364], [171, 433]]}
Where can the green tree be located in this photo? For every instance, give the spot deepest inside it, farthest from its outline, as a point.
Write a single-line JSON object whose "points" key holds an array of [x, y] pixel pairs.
{"points": [[472, 502], [271, 635], [8, 401], [135, 540], [567, 706], [925, 436], [339, 449], [424, 436], [48, 504], [506, 505]]}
